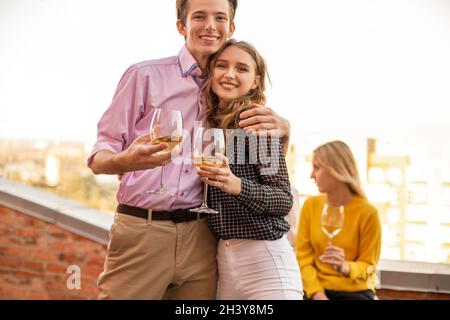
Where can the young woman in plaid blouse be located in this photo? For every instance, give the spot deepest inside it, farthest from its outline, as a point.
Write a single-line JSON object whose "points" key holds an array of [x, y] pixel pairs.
{"points": [[251, 190]]}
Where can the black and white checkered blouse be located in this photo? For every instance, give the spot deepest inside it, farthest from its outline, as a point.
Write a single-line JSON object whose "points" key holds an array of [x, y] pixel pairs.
{"points": [[265, 198]]}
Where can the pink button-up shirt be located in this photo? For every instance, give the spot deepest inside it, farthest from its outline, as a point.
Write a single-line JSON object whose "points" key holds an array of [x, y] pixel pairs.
{"points": [[171, 83]]}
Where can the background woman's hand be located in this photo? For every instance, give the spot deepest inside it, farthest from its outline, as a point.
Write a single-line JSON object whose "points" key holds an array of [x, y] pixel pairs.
{"points": [[319, 295], [335, 256], [221, 178]]}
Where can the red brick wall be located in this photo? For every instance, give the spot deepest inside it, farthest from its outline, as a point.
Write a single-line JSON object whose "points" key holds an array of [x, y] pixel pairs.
{"points": [[35, 255], [386, 294]]}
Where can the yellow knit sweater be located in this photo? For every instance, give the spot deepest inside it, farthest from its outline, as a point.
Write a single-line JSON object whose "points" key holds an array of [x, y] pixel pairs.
{"points": [[360, 238]]}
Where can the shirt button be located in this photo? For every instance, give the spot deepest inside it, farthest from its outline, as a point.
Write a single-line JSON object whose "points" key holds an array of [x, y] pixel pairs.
{"points": [[182, 194], [227, 243], [186, 171]]}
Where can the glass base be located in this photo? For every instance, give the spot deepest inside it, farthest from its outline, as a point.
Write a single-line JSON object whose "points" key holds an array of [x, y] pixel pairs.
{"points": [[204, 209], [161, 192]]}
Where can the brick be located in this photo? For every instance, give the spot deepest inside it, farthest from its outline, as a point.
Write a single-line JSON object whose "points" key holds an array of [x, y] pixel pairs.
{"points": [[17, 280], [71, 258], [37, 284], [89, 279], [56, 285], [86, 248], [6, 281], [15, 240], [34, 266], [88, 292], [386, 294], [15, 251], [41, 255], [11, 293], [37, 295], [4, 210], [4, 232], [10, 262], [93, 271], [38, 224], [64, 246], [21, 273], [59, 235], [79, 297], [57, 295], [27, 233], [11, 218], [16, 273], [77, 237], [96, 261], [56, 267], [6, 213]]}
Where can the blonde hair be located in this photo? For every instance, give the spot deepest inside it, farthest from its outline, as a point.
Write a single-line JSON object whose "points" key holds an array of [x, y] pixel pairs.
{"points": [[227, 116], [337, 157]]}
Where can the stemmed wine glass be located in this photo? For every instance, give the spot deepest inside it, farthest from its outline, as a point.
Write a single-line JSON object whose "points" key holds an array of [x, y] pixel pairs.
{"points": [[208, 150], [332, 220], [166, 127]]}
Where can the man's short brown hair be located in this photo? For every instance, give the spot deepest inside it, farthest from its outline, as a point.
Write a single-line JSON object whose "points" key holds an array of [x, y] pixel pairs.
{"points": [[182, 9]]}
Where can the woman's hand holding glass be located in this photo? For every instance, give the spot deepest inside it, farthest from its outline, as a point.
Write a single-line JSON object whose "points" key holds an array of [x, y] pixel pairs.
{"points": [[209, 144], [335, 256], [332, 222], [221, 177]]}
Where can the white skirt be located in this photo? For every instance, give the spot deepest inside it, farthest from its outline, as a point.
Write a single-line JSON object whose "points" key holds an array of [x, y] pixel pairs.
{"points": [[258, 270]]}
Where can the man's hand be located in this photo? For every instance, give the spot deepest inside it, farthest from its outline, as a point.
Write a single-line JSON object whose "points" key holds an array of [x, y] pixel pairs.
{"points": [[335, 256], [140, 155], [263, 118]]}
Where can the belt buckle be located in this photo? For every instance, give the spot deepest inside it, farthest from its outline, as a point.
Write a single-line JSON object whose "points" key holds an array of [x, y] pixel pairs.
{"points": [[178, 216]]}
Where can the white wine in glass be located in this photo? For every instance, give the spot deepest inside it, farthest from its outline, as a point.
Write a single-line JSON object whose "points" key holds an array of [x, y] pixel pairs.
{"points": [[166, 127], [208, 161], [172, 142], [332, 220], [208, 150]]}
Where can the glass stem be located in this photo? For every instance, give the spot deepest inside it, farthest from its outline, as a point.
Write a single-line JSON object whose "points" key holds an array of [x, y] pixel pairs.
{"points": [[205, 195], [161, 178]]}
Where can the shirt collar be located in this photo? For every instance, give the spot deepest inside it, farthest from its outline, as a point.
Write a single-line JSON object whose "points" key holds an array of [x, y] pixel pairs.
{"points": [[188, 64]]}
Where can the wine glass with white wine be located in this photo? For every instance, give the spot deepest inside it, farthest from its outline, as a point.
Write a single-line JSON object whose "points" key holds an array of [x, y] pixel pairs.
{"points": [[332, 220], [166, 127], [208, 150]]}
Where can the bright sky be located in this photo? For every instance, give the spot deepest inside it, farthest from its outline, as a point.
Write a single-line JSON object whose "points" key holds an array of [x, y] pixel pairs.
{"points": [[363, 66]]}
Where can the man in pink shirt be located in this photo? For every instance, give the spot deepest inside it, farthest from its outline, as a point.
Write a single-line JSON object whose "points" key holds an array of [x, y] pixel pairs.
{"points": [[157, 248]]}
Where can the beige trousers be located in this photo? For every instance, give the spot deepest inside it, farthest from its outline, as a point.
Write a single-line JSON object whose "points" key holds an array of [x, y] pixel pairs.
{"points": [[159, 260]]}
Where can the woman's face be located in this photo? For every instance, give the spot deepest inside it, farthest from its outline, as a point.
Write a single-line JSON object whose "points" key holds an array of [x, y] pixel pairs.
{"points": [[234, 74], [324, 180]]}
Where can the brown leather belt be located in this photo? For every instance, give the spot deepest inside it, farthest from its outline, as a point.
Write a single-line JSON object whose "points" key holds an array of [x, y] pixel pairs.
{"points": [[176, 216]]}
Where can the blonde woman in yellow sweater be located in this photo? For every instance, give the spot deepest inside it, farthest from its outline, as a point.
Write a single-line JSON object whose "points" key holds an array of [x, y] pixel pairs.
{"points": [[345, 267]]}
